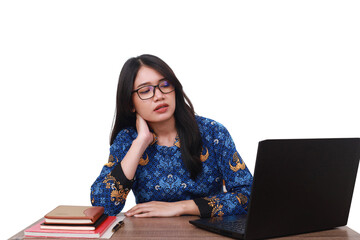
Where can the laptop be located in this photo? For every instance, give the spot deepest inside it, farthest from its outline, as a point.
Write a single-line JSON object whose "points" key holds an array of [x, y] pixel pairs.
{"points": [[300, 185]]}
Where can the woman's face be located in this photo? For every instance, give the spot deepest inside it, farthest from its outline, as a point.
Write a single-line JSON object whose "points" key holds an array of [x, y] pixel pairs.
{"points": [[161, 106]]}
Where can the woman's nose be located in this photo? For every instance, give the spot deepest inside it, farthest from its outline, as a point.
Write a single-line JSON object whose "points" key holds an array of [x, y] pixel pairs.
{"points": [[158, 94]]}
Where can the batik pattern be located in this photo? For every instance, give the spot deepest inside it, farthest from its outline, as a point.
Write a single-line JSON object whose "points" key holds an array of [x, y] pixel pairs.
{"points": [[162, 175]]}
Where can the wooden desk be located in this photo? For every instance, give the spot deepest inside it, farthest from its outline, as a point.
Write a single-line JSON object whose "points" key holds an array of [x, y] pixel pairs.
{"points": [[180, 228]]}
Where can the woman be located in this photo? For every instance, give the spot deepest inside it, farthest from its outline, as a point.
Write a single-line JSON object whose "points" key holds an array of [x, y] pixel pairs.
{"points": [[174, 161]]}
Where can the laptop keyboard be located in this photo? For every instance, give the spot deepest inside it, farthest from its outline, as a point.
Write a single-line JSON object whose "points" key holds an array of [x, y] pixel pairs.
{"points": [[238, 225], [230, 223]]}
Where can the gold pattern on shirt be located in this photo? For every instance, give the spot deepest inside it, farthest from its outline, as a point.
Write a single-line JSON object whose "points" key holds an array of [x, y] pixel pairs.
{"points": [[177, 141], [118, 194], [216, 206], [154, 139], [109, 178], [238, 166], [215, 219], [241, 198], [143, 161], [110, 161], [224, 187], [204, 157]]}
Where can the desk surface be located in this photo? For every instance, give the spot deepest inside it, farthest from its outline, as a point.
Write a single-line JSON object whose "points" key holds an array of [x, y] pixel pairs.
{"points": [[180, 228]]}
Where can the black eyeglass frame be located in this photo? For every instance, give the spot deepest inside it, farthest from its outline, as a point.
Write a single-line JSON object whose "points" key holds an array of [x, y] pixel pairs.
{"points": [[154, 88]]}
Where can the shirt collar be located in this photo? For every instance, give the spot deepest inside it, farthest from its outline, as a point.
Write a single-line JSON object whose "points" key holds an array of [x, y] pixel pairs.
{"points": [[176, 143]]}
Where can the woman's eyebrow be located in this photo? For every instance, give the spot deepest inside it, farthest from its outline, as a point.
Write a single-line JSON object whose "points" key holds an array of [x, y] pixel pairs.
{"points": [[148, 83], [143, 84]]}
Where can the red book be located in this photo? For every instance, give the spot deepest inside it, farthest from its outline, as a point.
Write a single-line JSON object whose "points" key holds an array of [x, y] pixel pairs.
{"points": [[36, 231]]}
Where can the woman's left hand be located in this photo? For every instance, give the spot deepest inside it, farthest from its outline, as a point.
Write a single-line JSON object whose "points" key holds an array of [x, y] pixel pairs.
{"points": [[163, 209]]}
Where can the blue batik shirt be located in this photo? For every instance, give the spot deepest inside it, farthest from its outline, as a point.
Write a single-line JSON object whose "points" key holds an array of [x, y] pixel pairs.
{"points": [[222, 188]]}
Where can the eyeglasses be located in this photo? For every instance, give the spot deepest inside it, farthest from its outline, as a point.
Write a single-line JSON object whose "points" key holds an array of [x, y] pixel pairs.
{"points": [[147, 92]]}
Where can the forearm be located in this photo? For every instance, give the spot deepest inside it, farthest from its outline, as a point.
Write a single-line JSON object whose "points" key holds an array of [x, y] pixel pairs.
{"points": [[164, 209], [188, 207], [131, 160]]}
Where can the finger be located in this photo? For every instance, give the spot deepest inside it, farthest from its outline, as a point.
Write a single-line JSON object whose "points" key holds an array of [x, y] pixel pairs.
{"points": [[142, 207], [139, 210], [144, 215]]}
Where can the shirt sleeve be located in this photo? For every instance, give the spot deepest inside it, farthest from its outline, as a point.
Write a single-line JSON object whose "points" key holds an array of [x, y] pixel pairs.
{"points": [[111, 187], [237, 179]]}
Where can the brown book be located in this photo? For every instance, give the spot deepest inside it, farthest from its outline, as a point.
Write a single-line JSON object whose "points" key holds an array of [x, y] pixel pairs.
{"points": [[65, 214]]}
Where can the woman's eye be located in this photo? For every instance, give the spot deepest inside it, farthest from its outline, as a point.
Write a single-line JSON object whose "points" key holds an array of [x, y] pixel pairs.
{"points": [[165, 84], [144, 90]]}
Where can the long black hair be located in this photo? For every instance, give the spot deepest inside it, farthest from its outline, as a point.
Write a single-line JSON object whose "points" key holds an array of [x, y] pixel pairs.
{"points": [[186, 125]]}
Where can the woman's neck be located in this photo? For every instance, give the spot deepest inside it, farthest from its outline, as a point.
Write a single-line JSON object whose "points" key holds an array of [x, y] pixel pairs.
{"points": [[165, 131]]}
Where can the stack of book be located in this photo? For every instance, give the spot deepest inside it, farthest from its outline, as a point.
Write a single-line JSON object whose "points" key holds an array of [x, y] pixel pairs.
{"points": [[72, 222]]}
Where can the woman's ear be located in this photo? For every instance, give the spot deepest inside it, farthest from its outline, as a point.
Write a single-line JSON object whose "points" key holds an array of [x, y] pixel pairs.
{"points": [[132, 107]]}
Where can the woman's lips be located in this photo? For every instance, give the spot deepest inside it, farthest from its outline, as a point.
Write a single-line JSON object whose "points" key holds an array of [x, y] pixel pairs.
{"points": [[161, 108]]}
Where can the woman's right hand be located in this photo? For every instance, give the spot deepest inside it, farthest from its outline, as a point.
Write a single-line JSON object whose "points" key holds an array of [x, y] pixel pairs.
{"points": [[131, 160], [143, 131]]}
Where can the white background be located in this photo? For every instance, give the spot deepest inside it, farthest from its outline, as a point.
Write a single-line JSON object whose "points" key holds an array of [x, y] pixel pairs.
{"points": [[264, 69]]}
